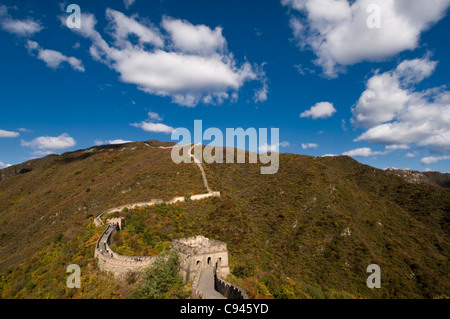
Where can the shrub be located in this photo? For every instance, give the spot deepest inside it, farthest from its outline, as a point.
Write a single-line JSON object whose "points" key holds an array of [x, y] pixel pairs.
{"points": [[245, 271], [58, 237], [162, 280]]}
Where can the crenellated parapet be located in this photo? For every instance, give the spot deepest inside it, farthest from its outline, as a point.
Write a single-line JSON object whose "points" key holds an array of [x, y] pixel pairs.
{"points": [[119, 265], [197, 253], [228, 290]]}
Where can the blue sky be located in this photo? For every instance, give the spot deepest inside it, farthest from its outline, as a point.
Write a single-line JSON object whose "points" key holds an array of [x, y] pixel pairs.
{"points": [[312, 68]]}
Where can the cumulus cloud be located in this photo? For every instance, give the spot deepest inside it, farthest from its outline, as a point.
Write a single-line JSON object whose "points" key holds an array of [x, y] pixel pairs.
{"points": [[4, 133], [53, 59], [154, 127], [434, 159], [151, 125], [338, 33], [309, 145], [367, 151], [50, 143], [189, 63], [361, 152], [194, 39], [25, 28], [394, 112], [320, 110]]}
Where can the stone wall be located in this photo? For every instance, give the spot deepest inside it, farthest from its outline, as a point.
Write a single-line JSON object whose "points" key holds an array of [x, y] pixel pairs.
{"points": [[228, 290], [98, 221], [119, 265], [120, 268]]}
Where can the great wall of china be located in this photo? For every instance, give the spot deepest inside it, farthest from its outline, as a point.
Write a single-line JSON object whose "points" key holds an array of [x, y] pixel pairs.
{"points": [[202, 260]]}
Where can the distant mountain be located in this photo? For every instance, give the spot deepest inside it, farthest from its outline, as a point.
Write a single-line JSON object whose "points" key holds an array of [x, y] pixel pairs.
{"points": [[441, 179], [430, 178], [309, 231]]}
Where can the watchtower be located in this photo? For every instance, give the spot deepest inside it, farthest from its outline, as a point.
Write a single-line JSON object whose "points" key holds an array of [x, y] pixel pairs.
{"points": [[197, 253]]}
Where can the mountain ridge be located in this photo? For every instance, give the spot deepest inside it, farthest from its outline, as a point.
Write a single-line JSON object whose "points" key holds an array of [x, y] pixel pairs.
{"points": [[308, 231]]}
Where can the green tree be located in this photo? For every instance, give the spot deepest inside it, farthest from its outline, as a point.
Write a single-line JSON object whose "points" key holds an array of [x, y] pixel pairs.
{"points": [[162, 280]]}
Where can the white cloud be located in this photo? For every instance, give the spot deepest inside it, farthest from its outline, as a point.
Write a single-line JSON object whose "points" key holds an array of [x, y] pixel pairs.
{"points": [[414, 71], [3, 165], [121, 27], [386, 94], [395, 147], [118, 141], [25, 28], [367, 151], [149, 125], [189, 63], [395, 113], [320, 110], [330, 155], [4, 133], [50, 143], [128, 3], [264, 148], [360, 152], [380, 101], [411, 154], [434, 159], [337, 31], [194, 39], [309, 145], [261, 94], [111, 142], [154, 116], [154, 127], [53, 59]]}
